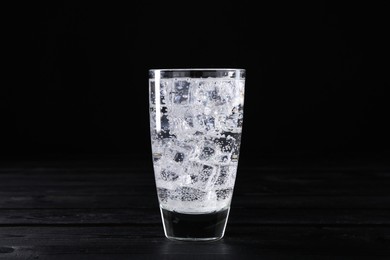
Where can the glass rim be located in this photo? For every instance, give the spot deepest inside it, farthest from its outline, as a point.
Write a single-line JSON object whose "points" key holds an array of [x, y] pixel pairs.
{"points": [[197, 69], [216, 73]]}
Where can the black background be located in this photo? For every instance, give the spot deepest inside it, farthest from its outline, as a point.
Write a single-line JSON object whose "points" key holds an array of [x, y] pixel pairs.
{"points": [[76, 81]]}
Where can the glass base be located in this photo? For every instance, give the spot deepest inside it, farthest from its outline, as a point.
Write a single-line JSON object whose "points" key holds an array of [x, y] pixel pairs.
{"points": [[194, 227]]}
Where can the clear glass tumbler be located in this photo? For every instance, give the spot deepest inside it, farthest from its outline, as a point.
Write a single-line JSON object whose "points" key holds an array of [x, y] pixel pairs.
{"points": [[196, 118]]}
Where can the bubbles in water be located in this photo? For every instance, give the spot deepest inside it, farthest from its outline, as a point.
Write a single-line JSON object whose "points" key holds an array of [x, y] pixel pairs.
{"points": [[179, 157], [196, 152]]}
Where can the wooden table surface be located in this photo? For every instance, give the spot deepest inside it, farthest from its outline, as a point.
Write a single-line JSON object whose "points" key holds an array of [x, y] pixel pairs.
{"points": [[109, 210]]}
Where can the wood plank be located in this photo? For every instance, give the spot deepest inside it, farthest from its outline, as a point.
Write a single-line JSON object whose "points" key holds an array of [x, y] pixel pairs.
{"points": [[276, 171], [127, 161], [272, 191], [262, 188], [253, 172], [240, 216], [243, 241], [108, 199], [265, 184], [94, 212]]}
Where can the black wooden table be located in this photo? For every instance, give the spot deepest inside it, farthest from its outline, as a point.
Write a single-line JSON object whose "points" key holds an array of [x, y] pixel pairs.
{"points": [[109, 210]]}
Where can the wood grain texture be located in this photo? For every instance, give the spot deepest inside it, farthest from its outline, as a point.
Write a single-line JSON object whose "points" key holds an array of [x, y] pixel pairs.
{"points": [[252, 240], [81, 211]]}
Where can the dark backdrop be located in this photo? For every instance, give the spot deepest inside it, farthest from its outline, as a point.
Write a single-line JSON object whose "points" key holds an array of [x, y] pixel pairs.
{"points": [[76, 82]]}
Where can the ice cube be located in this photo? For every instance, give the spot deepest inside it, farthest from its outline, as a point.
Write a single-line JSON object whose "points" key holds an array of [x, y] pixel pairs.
{"points": [[204, 122], [189, 194], [206, 153], [205, 173], [163, 194], [223, 175], [225, 143], [199, 93], [180, 151], [229, 145], [182, 127], [224, 194], [200, 172], [180, 94], [214, 92], [168, 175], [221, 94]]}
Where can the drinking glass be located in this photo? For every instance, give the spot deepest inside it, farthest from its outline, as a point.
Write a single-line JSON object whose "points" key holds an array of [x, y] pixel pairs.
{"points": [[196, 118]]}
